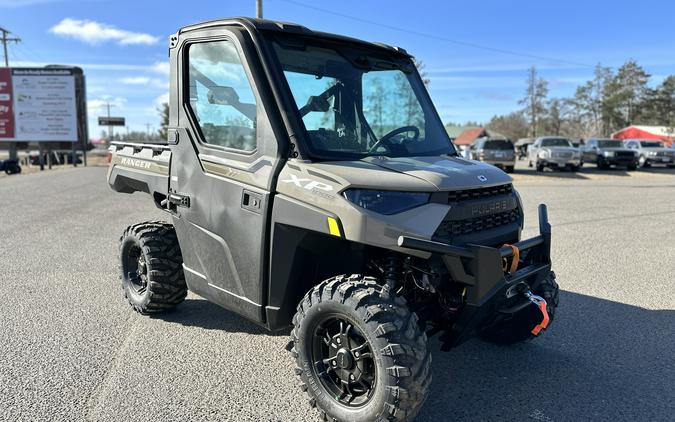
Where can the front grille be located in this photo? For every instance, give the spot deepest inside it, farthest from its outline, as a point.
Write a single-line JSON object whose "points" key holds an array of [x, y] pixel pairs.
{"points": [[480, 193], [625, 154], [560, 154], [449, 228]]}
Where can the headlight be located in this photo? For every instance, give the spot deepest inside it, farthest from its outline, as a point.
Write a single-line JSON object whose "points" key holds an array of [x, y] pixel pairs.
{"points": [[652, 153], [609, 153], [386, 202], [543, 154]]}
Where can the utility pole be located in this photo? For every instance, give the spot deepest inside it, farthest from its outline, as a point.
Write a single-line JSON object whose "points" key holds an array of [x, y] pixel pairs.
{"points": [[107, 105], [258, 9], [147, 126], [6, 40]]}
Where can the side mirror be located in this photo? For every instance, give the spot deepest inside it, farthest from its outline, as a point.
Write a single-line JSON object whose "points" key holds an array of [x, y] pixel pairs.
{"points": [[317, 103], [222, 95]]}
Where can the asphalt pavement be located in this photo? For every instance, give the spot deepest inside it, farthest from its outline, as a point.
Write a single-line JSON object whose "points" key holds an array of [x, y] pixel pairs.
{"points": [[72, 349]]}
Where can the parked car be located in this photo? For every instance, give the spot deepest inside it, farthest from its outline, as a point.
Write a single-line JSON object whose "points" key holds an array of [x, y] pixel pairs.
{"points": [[609, 152], [498, 152], [10, 166], [554, 152], [651, 152]]}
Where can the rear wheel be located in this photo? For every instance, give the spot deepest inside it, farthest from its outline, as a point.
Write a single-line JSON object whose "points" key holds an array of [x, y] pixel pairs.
{"points": [[151, 267], [509, 169], [517, 327], [632, 167], [359, 352], [540, 167]]}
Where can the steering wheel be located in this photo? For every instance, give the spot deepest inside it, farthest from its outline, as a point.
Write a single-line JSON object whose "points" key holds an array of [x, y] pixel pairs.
{"points": [[385, 139]]}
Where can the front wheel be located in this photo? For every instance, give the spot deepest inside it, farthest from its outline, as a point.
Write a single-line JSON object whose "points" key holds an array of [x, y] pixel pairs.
{"points": [[151, 267], [359, 352]]}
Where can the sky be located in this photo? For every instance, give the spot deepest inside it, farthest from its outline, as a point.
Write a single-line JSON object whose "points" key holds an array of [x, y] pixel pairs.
{"points": [[476, 54]]}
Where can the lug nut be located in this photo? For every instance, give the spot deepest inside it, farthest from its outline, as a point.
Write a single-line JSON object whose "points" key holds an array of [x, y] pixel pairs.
{"points": [[356, 354], [333, 363], [351, 377], [338, 341]]}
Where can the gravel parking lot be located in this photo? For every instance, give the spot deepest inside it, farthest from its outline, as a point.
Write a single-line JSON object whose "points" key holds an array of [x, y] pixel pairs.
{"points": [[72, 349]]}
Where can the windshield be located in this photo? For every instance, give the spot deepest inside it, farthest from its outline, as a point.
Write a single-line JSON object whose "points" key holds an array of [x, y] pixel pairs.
{"points": [[498, 144], [356, 103], [558, 142], [651, 144], [610, 144]]}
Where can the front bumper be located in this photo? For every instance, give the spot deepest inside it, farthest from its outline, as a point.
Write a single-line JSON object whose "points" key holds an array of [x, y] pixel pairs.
{"points": [[619, 161], [488, 285], [660, 160], [561, 162]]}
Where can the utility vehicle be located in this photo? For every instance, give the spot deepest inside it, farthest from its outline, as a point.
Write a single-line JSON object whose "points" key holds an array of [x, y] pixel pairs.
{"points": [[309, 183], [499, 152]]}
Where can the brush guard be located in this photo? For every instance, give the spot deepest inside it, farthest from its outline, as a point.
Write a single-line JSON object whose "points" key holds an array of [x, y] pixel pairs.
{"points": [[494, 286]]}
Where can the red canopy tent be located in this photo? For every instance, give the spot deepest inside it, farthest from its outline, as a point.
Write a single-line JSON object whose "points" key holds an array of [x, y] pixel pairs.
{"points": [[662, 133]]}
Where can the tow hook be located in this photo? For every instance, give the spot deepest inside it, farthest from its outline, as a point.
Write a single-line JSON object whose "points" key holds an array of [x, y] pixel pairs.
{"points": [[541, 304]]}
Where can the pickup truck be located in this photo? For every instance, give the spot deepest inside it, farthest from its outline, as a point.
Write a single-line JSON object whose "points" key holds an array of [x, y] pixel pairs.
{"points": [[554, 152], [651, 152], [609, 152], [302, 191]]}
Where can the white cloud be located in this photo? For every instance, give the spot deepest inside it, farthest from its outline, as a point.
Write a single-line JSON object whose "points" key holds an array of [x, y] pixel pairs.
{"points": [[99, 105], [164, 98], [135, 80], [94, 33], [161, 67]]}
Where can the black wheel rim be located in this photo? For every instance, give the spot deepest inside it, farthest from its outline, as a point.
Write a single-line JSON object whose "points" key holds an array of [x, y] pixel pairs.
{"points": [[343, 361], [136, 269]]}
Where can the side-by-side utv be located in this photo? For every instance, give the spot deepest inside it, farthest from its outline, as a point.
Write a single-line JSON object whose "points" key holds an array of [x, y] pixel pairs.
{"points": [[308, 182]]}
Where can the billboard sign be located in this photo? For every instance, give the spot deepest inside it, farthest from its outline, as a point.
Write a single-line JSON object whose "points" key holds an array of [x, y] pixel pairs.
{"points": [[38, 105], [111, 121]]}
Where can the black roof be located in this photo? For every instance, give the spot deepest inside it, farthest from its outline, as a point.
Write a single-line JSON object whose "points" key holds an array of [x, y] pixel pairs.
{"points": [[255, 24]]}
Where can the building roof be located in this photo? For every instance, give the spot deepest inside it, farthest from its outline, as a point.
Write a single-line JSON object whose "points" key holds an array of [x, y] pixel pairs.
{"points": [[650, 132], [454, 131], [469, 135]]}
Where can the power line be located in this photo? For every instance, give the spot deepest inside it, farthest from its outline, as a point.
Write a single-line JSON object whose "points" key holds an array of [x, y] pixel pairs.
{"points": [[437, 37]]}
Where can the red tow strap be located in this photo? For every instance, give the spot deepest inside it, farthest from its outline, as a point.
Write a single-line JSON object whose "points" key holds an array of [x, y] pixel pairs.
{"points": [[544, 322]]}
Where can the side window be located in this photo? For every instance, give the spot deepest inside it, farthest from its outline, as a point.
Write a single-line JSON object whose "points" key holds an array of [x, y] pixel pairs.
{"points": [[221, 97]]}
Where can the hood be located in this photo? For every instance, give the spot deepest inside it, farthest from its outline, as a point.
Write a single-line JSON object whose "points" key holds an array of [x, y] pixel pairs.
{"points": [[445, 172]]}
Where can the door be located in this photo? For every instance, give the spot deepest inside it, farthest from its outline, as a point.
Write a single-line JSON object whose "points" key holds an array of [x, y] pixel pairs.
{"points": [[224, 162]]}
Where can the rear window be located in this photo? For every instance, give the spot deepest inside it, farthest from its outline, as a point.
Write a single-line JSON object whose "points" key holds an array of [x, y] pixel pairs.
{"points": [[498, 144]]}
